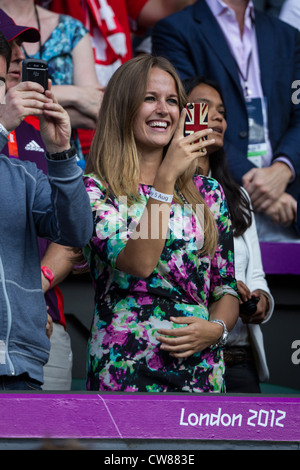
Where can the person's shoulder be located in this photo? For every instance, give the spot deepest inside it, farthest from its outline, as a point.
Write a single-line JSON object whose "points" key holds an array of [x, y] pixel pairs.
{"points": [[207, 183], [48, 18], [177, 17], [266, 19], [98, 192], [25, 166], [94, 184], [71, 22], [45, 14]]}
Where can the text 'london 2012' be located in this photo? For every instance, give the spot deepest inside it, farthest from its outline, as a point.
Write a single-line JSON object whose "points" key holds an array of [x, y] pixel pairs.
{"points": [[265, 418]]}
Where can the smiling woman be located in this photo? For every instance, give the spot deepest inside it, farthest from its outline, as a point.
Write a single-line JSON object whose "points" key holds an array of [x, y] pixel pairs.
{"points": [[156, 120], [157, 246]]}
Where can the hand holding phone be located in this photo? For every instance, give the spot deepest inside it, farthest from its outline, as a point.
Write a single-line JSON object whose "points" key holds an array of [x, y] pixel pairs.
{"points": [[35, 70]]}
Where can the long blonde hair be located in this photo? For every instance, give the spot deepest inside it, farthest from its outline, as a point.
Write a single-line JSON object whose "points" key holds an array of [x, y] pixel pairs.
{"points": [[114, 157]]}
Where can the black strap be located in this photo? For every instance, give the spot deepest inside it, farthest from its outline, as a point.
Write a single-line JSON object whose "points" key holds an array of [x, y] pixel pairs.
{"points": [[245, 78]]}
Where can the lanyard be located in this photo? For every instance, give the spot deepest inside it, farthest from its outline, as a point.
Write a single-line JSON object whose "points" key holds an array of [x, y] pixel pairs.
{"points": [[245, 78], [39, 28]]}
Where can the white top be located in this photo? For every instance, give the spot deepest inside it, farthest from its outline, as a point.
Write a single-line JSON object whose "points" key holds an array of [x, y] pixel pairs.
{"points": [[249, 269], [239, 336]]}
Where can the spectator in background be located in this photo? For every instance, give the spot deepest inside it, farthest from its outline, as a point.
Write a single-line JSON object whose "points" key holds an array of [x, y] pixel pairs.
{"points": [[111, 24], [290, 13], [25, 143], [66, 45], [244, 354], [164, 292], [32, 205], [255, 58]]}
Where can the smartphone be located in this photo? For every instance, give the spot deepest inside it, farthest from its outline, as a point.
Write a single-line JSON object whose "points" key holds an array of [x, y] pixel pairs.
{"points": [[196, 118], [35, 70]]}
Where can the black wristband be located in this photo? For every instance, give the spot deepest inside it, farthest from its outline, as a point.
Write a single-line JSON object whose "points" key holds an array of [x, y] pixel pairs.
{"points": [[65, 155]]}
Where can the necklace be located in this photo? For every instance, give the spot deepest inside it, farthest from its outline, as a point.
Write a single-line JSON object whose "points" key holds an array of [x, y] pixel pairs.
{"points": [[39, 28]]}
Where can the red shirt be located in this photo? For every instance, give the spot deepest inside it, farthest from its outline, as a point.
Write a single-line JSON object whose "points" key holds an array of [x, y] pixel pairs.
{"points": [[110, 18]]}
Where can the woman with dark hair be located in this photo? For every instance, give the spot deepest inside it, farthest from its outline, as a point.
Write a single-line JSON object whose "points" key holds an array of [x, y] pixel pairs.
{"points": [[165, 293], [245, 361]]}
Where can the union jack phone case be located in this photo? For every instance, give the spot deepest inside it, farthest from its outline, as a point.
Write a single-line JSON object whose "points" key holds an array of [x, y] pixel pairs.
{"points": [[196, 118]]}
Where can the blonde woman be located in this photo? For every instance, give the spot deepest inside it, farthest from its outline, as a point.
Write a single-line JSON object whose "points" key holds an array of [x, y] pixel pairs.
{"points": [[161, 256]]}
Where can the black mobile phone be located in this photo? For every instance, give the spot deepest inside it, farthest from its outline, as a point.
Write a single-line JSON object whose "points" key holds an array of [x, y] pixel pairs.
{"points": [[35, 70]]}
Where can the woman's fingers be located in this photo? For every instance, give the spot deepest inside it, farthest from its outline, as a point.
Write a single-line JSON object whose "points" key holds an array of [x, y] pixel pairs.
{"points": [[180, 125], [199, 136], [200, 147], [199, 141], [243, 291]]}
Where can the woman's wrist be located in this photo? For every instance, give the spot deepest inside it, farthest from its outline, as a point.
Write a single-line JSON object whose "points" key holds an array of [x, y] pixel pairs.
{"points": [[164, 184], [161, 197], [220, 331]]}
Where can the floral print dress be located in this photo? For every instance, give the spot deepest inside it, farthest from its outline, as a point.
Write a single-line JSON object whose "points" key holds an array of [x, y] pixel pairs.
{"points": [[123, 352]]}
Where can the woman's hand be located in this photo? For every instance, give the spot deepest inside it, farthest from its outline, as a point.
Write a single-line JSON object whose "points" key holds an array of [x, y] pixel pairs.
{"points": [[49, 326], [266, 185], [183, 150], [262, 308], [262, 305], [243, 291], [283, 211], [196, 335], [55, 126]]}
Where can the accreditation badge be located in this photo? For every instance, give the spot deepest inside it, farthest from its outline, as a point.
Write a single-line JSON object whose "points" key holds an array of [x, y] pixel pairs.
{"points": [[257, 145]]}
